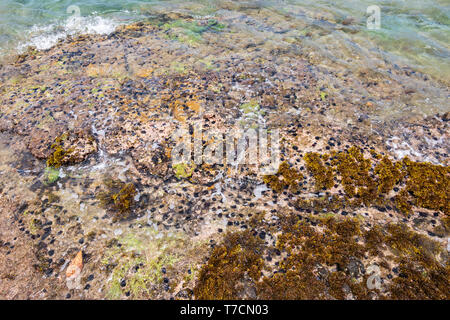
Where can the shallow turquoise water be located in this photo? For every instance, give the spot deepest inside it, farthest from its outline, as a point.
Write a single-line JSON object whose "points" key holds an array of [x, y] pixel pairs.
{"points": [[414, 31]]}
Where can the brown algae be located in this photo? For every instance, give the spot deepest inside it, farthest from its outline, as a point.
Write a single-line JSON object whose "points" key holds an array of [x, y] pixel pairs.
{"points": [[119, 196], [286, 177]]}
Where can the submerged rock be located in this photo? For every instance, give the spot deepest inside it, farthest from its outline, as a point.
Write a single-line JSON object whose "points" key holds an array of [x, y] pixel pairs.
{"points": [[86, 141]]}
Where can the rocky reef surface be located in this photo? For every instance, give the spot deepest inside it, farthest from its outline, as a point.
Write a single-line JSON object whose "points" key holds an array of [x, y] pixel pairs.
{"points": [[92, 206]]}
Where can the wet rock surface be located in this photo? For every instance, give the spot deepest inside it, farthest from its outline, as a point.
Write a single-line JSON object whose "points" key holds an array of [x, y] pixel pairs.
{"points": [[86, 135]]}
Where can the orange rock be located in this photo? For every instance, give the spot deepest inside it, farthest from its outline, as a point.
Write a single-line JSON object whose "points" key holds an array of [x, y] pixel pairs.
{"points": [[144, 73], [75, 266], [193, 105]]}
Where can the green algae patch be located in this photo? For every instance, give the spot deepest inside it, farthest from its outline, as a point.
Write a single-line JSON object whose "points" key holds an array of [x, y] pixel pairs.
{"points": [[232, 266], [190, 32], [250, 107], [183, 170], [410, 244], [286, 177], [375, 238], [29, 54], [51, 175], [136, 263]]}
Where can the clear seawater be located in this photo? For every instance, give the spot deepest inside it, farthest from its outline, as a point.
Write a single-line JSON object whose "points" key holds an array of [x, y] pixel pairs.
{"points": [[415, 32]]}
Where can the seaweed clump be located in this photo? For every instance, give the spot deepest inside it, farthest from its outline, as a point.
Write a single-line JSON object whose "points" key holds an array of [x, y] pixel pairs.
{"points": [[323, 175], [428, 184], [401, 202], [324, 258], [416, 282], [70, 148], [286, 177], [232, 268], [119, 196], [309, 253], [424, 185], [356, 179], [322, 204], [420, 275], [389, 174], [60, 155], [375, 239]]}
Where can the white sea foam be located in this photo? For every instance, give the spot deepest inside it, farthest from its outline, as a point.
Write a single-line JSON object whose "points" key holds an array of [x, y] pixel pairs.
{"points": [[402, 149], [259, 189], [45, 37]]}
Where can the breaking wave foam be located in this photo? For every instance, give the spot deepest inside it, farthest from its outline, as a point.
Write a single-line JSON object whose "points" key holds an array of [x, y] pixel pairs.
{"points": [[45, 37]]}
